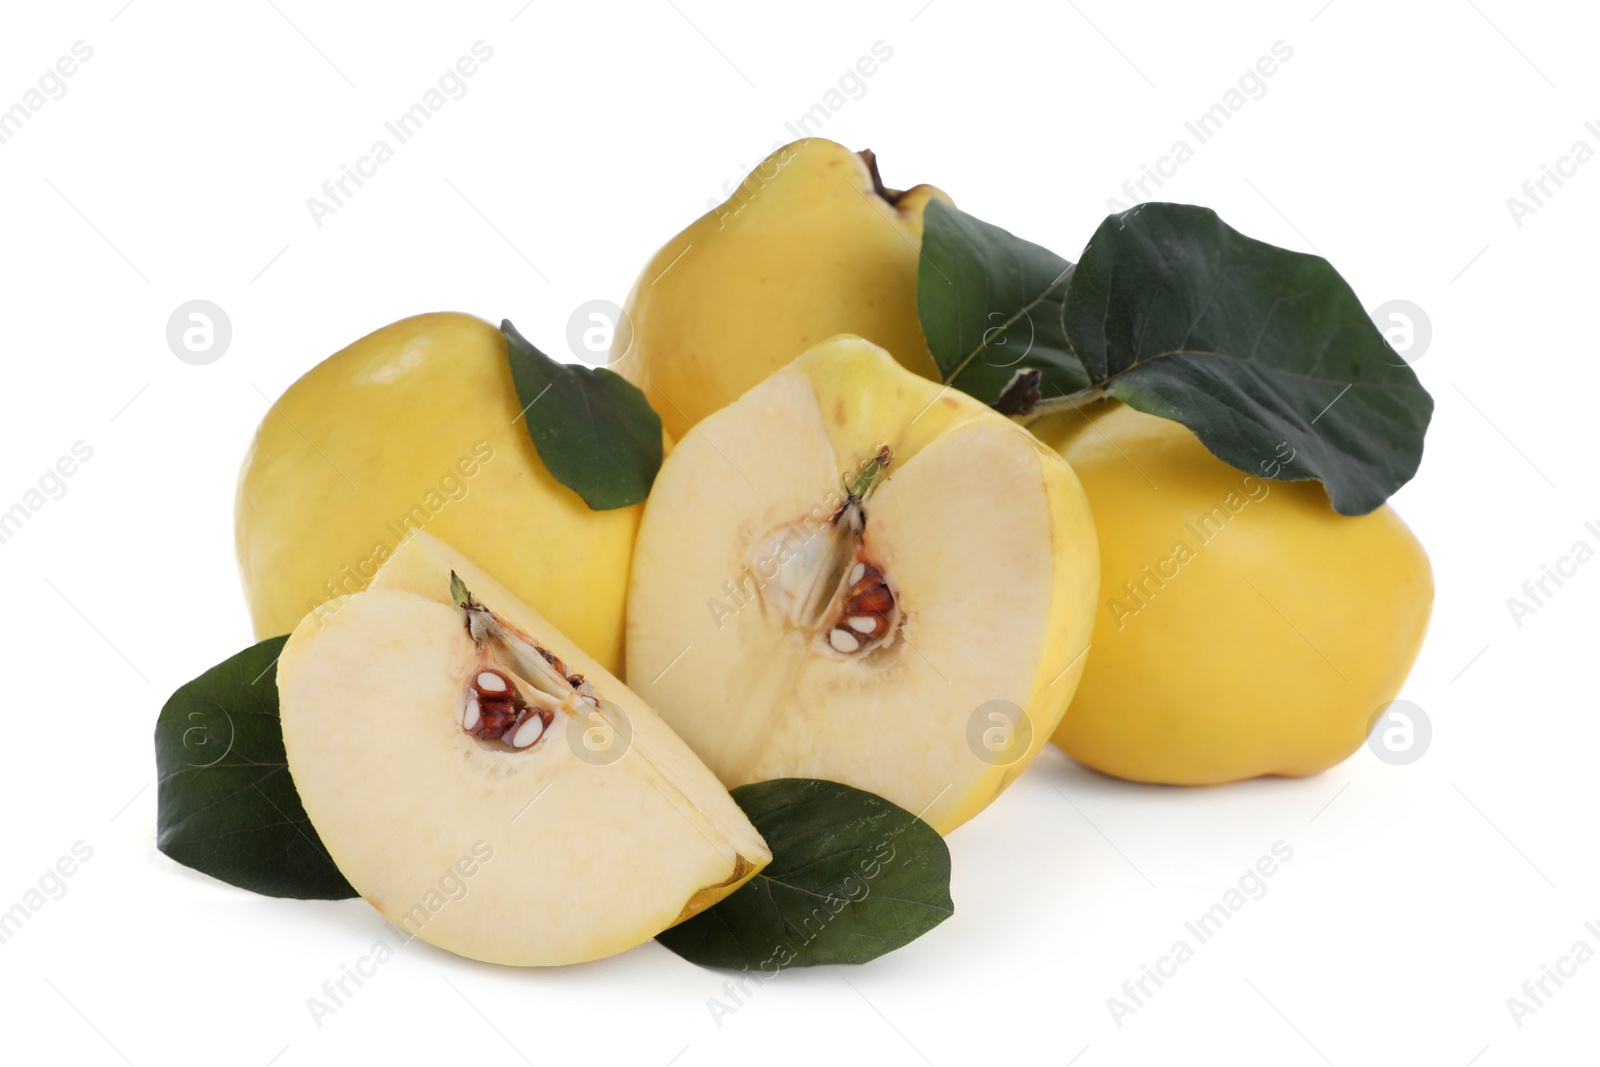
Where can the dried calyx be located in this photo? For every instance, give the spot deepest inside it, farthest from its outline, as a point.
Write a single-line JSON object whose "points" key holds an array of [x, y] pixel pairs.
{"points": [[517, 687], [822, 579]]}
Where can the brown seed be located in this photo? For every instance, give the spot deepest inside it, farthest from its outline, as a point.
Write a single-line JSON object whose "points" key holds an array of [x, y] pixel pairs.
{"points": [[877, 602]]}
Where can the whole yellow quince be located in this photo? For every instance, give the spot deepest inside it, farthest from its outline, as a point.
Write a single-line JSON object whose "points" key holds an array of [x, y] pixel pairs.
{"points": [[418, 426], [1244, 627], [809, 246]]}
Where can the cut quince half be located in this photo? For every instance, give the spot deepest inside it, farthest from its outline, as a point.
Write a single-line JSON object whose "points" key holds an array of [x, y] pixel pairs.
{"points": [[855, 574], [488, 786]]}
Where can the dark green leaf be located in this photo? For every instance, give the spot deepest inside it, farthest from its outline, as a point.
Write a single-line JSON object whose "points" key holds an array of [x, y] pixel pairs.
{"points": [[852, 877], [990, 305], [226, 805], [594, 430], [1261, 351], [1266, 354]]}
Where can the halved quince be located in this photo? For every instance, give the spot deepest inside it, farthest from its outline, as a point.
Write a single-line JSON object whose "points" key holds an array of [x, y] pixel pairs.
{"points": [[488, 786], [853, 573]]}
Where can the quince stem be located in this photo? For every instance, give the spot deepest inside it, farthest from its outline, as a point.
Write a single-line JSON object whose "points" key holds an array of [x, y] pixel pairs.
{"points": [[1071, 401]]}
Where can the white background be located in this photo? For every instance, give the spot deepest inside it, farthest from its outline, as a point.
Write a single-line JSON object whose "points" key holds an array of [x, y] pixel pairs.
{"points": [[177, 166]]}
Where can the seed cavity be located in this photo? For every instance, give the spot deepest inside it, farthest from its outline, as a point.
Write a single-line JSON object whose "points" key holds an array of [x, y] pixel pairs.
{"points": [[868, 611], [516, 689], [491, 706], [495, 709], [823, 583]]}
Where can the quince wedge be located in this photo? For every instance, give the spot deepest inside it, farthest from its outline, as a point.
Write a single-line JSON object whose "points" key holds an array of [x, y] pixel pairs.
{"points": [[487, 785]]}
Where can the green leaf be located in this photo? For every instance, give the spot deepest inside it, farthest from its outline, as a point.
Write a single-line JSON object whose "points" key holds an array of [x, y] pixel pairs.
{"points": [[990, 305], [1266, 354], [1253, 347], [852, 877], [226, 805], [594, 429]]}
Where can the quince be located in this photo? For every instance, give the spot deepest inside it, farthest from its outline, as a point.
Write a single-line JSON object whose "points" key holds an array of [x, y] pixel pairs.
{"points": [[1244, 626], [810, 245], [418, 426]]}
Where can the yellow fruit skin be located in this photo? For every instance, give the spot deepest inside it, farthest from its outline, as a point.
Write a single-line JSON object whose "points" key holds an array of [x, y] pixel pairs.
{"points": [[1268, 649], [803, 250], [420, 419]]}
